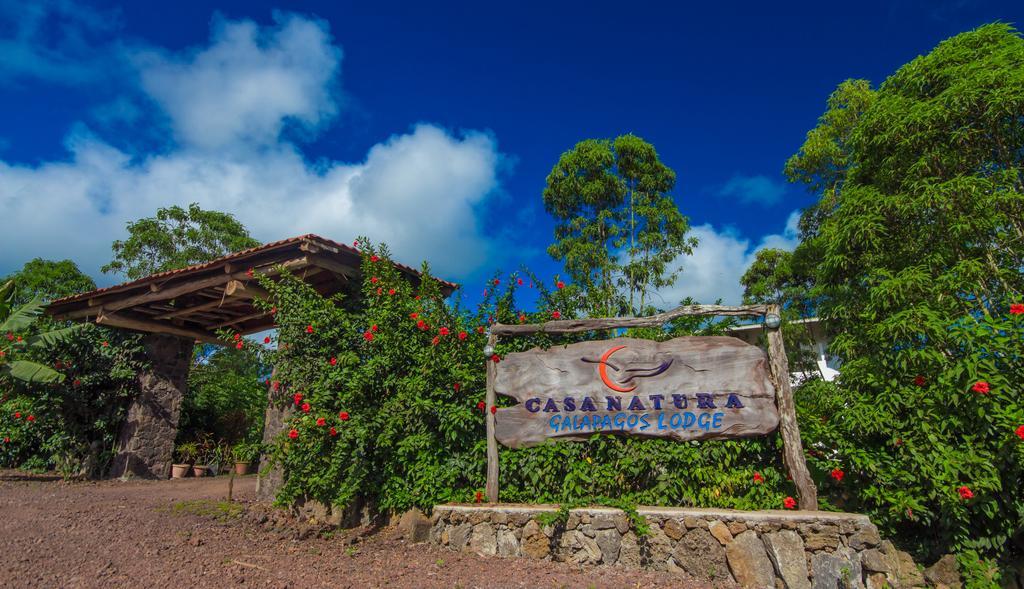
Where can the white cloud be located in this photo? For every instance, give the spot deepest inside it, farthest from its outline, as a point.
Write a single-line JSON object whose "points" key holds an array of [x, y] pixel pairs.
{"points": [[714, 269], [248, 83], [417, 191], [757, 189]]}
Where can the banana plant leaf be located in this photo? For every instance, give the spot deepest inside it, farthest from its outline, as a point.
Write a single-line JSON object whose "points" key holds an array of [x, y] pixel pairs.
{"points": [[27, 371]]}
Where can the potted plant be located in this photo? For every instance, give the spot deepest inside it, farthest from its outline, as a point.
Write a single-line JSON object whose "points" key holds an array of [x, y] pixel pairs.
{"points": [[205, 454], [187, 454], [245, 455]]}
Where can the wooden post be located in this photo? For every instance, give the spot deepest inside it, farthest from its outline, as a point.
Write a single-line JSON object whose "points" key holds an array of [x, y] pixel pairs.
{"points": [[792, 447], [492, 442]]}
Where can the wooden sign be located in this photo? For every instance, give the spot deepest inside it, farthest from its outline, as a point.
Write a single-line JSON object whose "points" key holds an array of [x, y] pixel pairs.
{"points": [[688, 388]]}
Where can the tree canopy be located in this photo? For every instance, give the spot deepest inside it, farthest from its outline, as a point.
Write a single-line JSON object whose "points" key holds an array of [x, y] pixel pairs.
{"points": [[177, 237], [618, 228], [48, 280]]}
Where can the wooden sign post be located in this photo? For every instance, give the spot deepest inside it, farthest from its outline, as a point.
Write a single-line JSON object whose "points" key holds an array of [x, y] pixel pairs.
{"points": [[687, 388]]}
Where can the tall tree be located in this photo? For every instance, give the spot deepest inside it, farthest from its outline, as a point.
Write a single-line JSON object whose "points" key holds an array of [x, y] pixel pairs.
{"points": [[917, 248], [611, 199], [48, 280], [175, 238]]}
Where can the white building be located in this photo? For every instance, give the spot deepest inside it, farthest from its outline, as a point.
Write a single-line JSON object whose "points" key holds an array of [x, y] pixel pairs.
{"points": [[828, 365]]}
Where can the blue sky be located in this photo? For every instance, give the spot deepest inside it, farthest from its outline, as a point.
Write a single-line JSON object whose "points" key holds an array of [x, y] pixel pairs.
{"points": [[429, 127]]}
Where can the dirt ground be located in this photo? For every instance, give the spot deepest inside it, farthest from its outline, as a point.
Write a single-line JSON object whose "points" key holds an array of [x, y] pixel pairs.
{"points": [[178, 534]]}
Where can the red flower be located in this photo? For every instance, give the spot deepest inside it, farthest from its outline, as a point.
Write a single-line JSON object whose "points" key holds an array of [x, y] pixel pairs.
{"points": [[435, 341], [480, 329], [458, 386], [293, 434], [374, 280], [496, 282], [343, 416], [560, 284], [105, 344], [380, 291], [980, 387], [305, 407], [837, 474], [519, 281], [1017, 309], [758, 478], [1020, 431], [6, 439], [494, 410], [309, 328], [275, 385], [368, 336], [266, 340], [238, 336], [522, 318], [17, 415], [373, 328], [965, 493], [789, 503], [297, 397], [374, 259], [31, 418], [485, 292], [479, 496], [238, 346], [249, 273], [481, 406], [321, 421], [10, 336], [422, 325], [273, 310], [920, 380], [443, 331], [333, 361], [333, 431], [495, 358], [77, 382], [391, 291], [556, 315], [463, 335], [413, 315], [355, 243]]}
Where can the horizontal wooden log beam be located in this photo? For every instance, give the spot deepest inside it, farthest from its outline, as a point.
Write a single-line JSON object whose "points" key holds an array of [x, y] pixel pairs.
{"points": [[243, 290], [326, 263], [577, 325], [189, 310], [113, 320], [240, 319]]}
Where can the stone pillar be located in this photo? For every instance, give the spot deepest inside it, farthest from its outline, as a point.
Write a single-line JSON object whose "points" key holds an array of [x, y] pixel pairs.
{"points": [[145, 445], [276, 416]]}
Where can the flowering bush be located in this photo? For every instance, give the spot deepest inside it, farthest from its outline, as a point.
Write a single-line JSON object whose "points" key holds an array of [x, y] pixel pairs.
{"points": [[398, 419]]}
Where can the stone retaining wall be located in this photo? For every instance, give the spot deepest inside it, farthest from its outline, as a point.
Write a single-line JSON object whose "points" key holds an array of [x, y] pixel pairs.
{"points": [[758, 549]]}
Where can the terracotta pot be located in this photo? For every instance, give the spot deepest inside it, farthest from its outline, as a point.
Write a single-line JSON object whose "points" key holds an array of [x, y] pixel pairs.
{"points": [[199, 471], [241, 468], [180, 471]]}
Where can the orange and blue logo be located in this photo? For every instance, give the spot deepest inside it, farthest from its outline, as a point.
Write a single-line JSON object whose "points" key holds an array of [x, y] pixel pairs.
{"points": [[623, 379]]}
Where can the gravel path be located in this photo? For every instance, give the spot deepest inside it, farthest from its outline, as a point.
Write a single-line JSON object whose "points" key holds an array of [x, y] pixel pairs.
{"points": [[176, 534]]}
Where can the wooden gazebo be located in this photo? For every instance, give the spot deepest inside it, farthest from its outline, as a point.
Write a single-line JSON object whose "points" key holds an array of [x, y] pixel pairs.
{"points": [[180, 307]]}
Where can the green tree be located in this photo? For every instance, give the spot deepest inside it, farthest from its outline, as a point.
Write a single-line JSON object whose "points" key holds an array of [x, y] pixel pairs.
{"points": [[917, 246], [175, 238], [610, 198], [49, 280], [226, 395]]}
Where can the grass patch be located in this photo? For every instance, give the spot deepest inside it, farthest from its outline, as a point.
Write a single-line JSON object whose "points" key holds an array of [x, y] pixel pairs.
{"points": [[220, 510]]}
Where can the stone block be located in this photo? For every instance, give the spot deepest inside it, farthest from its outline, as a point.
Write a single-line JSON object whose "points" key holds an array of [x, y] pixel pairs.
{"points": [[483, 540], [701, 555], [907, 573], [499, 517], [508, 545], [414, 526], [749, 562], [459, 536], [602, 522], [945, 571], [786, 550], [535, 544], [609, 541], [621, 523], [865, 537], [693, 522], [874, 561], [673, 529], [656, 548], [737, 528], [629, 551], [840, 570], [721, 532]]}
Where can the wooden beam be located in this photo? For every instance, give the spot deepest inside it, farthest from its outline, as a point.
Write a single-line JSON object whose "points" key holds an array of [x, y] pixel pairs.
{"points": [[492, 443], [242, 290], [190, 310], [576, 325], [328, 264], [195, 285], [240, 319], [792, 447], [113, 320]]}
